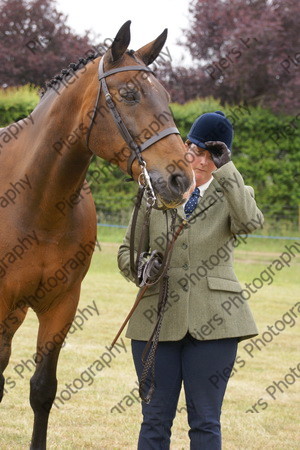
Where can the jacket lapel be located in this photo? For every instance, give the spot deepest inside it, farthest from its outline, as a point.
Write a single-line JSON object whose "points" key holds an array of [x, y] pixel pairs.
{"points": [[214, 185], [180, 211]]}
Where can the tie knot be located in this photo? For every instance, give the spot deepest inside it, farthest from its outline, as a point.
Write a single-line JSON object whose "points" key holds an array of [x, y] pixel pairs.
{"points": [[196, 192]]}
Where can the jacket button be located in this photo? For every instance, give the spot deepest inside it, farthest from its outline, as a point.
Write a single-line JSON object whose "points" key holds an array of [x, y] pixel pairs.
{"points": [[184, 245], [185, 266]]}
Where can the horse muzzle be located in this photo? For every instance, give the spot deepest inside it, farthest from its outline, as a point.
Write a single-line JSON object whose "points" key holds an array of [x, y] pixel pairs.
{"points": [[171, 190]]}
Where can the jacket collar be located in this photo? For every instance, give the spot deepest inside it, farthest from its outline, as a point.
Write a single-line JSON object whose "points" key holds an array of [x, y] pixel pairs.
{"points": [[214, 186]]}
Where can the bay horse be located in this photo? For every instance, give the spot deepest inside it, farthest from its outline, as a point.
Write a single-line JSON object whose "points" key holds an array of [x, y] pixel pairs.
{"points": [[48, 217]]}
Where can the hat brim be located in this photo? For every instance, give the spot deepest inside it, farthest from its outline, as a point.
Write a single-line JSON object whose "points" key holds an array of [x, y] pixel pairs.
{"points": [[198, 143]]}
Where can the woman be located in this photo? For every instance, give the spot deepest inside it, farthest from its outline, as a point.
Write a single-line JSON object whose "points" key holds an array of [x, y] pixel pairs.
{"points": [[205, 315]]}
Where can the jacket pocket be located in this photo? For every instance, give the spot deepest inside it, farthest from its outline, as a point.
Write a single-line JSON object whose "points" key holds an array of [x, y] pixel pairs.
{"points": [[222, 284]]}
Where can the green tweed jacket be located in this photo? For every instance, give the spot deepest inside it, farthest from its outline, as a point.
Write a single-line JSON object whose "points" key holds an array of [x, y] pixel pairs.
{"points": [[205, 297]]}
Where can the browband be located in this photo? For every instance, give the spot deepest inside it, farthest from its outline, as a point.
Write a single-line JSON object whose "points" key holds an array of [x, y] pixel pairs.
{"points": [[120, 69]]}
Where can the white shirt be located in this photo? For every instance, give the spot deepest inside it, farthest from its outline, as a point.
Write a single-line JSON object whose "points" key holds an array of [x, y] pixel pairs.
{"points": [[204, 186]]}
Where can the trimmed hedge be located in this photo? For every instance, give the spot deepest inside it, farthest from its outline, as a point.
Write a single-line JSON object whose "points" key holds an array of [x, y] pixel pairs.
{"points": [[265, 150], [17, 103]]}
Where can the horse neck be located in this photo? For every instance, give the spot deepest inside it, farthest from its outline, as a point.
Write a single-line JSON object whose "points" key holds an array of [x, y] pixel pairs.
{"points": [[55, 157]]}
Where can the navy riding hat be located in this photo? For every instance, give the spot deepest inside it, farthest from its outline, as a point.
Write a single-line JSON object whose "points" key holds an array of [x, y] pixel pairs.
{"points": [[211, 127]]}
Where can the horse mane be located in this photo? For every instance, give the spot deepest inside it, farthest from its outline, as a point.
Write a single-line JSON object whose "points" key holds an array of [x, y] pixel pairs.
{"points": [[72, 67]]}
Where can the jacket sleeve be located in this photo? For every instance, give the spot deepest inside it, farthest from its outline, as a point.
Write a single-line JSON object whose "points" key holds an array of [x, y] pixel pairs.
{"points": [[124, 249], [244, 213]]}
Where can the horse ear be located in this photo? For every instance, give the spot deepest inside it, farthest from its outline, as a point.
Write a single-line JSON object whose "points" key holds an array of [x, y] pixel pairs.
{"points": [[121, 41], [150, 52]]}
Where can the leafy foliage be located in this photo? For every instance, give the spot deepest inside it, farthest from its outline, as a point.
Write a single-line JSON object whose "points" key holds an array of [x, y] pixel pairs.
{"points": [[242, 51], [17, 103], [265, 151], [114, 197], [35, 42]]}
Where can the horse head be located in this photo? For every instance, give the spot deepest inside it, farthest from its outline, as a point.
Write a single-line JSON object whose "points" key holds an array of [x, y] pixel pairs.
{"points": [[142, 105]]}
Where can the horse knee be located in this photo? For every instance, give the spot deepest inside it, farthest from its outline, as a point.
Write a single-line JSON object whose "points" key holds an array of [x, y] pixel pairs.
{"points": [[42, 393]]}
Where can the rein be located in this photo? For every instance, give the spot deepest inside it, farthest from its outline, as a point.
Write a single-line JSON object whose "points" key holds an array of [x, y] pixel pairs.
{"points": [[148, 356], [145, 184], [134, 263]]}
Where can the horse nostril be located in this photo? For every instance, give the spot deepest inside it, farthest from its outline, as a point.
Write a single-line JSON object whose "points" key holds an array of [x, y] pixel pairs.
{"points": [[178, 183]]}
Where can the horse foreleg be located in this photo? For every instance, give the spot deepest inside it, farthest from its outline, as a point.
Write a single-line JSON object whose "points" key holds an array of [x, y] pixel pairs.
{"points": [[53, 327], [10, 322]]}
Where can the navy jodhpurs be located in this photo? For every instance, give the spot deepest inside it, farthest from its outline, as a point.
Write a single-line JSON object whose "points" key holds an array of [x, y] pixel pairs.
{"points": [[192, 362]]}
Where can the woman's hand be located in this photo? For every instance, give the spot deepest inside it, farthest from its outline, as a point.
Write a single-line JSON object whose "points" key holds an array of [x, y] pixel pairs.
{"points": [[150, 269], [219, 151]]}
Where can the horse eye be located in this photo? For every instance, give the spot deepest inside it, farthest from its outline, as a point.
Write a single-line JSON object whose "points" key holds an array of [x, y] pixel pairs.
{"points": [[130, 96]]}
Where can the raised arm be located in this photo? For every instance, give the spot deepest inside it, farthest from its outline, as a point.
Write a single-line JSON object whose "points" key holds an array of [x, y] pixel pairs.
{"points": [[240, 198]]}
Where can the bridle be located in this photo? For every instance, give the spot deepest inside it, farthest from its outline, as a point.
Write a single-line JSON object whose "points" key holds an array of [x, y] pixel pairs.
{"points": [[147, 190], [136, 149]]}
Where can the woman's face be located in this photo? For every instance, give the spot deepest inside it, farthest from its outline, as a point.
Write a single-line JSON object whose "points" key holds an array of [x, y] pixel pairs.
{"points": [[201, 162]]}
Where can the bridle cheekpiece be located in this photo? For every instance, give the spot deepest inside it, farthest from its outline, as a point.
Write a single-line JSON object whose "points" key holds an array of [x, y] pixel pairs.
{"points": [[136, 149]]}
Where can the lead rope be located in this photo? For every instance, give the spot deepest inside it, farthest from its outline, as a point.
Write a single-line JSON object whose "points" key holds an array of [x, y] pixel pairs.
{"points": [[145, 287], [149, 353]]}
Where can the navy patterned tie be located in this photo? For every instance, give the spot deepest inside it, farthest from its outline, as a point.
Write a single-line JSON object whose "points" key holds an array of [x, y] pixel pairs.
{"points": [[192, 202]]}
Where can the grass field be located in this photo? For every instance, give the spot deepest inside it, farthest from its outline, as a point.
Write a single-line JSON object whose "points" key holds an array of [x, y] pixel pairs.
{"points": [[88, 419]]}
